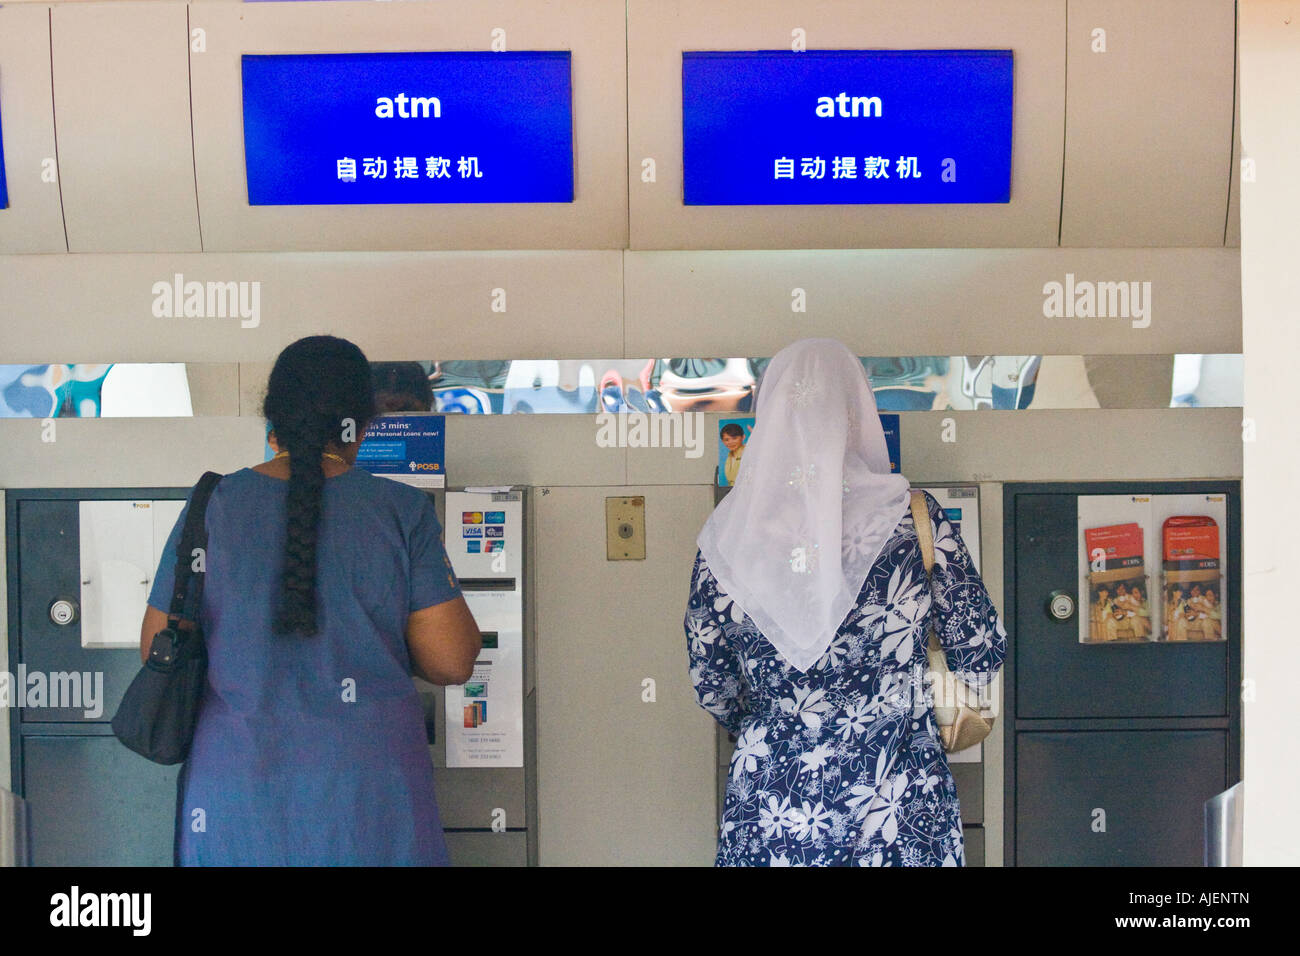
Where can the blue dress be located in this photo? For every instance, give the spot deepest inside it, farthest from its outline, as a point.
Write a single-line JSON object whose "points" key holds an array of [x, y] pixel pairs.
{"points": [[312, 750], [842, 765]]}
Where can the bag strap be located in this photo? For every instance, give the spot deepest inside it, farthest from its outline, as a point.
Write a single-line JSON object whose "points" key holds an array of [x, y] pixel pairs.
{"points": [[193, 535], [921, 518]]}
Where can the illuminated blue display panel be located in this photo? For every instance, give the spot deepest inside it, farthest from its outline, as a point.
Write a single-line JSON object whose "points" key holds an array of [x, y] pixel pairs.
{"points": [[349, 128], [773, 127]]}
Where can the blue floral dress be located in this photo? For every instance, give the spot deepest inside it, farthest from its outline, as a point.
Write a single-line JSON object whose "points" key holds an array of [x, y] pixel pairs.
{"points": [[842, 765]]}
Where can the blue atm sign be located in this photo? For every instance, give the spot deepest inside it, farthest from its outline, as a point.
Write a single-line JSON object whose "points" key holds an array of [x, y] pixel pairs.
{"points": [[836, 127], [4, 188], [359, 128]]}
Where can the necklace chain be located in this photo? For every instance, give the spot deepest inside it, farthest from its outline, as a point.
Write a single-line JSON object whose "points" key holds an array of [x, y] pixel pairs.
{"points": [[328, 454]]}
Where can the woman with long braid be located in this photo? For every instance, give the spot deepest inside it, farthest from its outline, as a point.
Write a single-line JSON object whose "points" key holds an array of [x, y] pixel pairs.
{"points": [[326, 588]]}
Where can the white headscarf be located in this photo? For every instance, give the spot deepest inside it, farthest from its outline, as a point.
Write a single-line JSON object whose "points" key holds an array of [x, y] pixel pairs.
{"points": [[793, 541]]}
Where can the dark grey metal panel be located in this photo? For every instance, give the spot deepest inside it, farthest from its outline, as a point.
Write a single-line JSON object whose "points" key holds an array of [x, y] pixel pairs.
{"points": [[726, 747], [488, 849], [1056, 676], [969, 778], [974, 837], [1108, 798], [95, 803], [49, 567], [1145, 736]]}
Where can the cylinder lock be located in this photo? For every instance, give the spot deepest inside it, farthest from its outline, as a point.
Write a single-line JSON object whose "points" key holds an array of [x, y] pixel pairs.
{"points": [[1060, 605], [625, 528], [63, 611]]}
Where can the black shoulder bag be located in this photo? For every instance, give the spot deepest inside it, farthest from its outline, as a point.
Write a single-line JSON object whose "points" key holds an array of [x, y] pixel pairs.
{"points": [[159, 710]]}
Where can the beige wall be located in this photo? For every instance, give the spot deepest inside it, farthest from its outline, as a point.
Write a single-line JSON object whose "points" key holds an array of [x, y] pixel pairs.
{"points": [[1270, 209]]}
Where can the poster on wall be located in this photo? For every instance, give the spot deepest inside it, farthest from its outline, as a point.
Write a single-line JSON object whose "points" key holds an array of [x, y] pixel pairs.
{"points": [[485, 715], [733, 436], [410, 448], [1152, 568]]}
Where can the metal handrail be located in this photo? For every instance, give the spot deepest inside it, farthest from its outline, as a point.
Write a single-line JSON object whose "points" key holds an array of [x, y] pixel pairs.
{"points": [[1223, 826]]}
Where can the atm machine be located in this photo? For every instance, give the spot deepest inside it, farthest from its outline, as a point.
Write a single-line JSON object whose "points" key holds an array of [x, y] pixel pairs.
{"points": [[481, 733], [80, 564], [961, 502]]}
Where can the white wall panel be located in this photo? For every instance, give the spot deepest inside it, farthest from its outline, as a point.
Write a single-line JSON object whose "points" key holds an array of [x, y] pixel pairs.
{"points": [[1232, 232], [1270, 209], [395, 306], [34, 220], [925, 302], [1148, 131], [1029, 445], [122, 111], [620, 781]]}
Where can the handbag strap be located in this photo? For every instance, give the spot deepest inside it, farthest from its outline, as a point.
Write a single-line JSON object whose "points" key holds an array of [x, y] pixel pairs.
{"points": [[193, 535], [921, 518]]}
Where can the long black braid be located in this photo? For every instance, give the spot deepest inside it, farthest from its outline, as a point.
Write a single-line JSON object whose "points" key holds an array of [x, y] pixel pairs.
{"points": [[319, 386]]}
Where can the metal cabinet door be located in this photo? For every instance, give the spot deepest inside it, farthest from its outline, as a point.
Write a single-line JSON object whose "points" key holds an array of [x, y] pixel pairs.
{"points": [[49, 567], [95, 803], [1115, 798], [1056, 676]]}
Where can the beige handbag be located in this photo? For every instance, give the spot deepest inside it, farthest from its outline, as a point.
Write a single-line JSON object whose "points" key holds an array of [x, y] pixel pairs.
{"points": [[961, 725]]}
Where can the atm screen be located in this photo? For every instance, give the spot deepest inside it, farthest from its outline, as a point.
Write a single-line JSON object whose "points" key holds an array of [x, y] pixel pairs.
{"points": [[774, 127], [360, 128]]}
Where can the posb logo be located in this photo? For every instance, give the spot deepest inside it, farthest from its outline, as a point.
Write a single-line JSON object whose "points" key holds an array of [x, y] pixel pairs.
{"points": [[425, 466]]}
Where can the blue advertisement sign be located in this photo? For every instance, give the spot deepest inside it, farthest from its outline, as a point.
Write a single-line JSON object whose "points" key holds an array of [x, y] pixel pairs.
{"points": [[733, 436], [408, 448], [893, 442], [772, 127], [358, 128]]}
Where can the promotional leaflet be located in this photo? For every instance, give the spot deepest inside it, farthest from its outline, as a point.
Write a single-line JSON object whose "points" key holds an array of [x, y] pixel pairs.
{"points": [[485, 715], [1193, 580], [409, 448]]}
